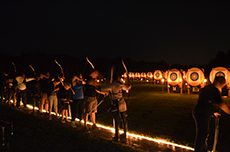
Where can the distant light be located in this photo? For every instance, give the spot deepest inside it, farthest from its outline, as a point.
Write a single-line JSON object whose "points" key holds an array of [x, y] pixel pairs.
{"points": [[147, 80], [102, 79], [205, 80], [180, 80], [98, 80], [162, 80]]}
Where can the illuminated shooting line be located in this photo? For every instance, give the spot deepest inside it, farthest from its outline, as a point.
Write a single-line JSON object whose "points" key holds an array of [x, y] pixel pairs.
{"points": [[159, 141]]}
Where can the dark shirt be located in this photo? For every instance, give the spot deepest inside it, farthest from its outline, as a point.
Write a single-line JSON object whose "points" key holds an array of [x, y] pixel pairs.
{"points": [[65, 94], [90, 91], [208, 96], [44, 82], [50, 90], [35, 88]]}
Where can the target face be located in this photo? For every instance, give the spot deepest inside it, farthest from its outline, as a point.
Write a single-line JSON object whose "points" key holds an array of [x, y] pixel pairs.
{"points": [[220, 74], [194, 76], [173, 76], [157, 75]]}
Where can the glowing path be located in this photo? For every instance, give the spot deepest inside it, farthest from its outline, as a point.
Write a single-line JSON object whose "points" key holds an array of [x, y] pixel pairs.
{"points": [[159, 141]]}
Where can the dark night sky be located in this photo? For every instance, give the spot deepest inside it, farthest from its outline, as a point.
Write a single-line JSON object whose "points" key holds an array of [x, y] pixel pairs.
{"points": [[184, 32]]}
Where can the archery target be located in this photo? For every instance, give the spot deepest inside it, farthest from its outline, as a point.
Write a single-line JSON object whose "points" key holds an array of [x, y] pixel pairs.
{"points": [[173, 76], [157, 75], [149, 75], [194, 76], [220, 74]]}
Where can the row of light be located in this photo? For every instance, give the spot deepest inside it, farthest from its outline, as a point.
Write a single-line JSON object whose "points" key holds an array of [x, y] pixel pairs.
{"points": [[159, 141]]}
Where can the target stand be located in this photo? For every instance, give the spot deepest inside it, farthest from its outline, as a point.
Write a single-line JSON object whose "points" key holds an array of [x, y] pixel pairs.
{"points": [[175, 81], [195, 80]]}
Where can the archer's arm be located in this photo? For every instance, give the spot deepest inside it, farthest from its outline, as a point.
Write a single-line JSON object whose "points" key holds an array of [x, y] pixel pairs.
{"points": [[224, 107]]}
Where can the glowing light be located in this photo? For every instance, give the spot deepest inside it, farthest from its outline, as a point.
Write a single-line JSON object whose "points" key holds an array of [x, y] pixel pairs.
{"points": [[163, 80], [147, 80], [127, 91], [186, 83], [180, 80], [160, 141], [98, 80], [102, 79], [205, 80]]}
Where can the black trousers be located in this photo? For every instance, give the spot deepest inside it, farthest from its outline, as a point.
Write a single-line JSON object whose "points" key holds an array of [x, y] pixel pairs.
{"points": [[77, 108], [23, 95], [119, 117], [202, 131], [123, 119]]}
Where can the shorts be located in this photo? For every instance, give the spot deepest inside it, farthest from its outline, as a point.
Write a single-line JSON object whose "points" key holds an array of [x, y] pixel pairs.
{"points": [[90, 104], [44, 99]]}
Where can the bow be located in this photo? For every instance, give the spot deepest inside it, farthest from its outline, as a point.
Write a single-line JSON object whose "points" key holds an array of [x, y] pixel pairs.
{"points": [[90, 62], [112, 71], [33, 70], [126, 71], [63, 76], [14, 67]]}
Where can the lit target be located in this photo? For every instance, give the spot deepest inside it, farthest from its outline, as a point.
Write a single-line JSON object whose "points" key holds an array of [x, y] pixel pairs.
{"points": [[220, 74], [194, 76], [157, 74], [173, 76]]}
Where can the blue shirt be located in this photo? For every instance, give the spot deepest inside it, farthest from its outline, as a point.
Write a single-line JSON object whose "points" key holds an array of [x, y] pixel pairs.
{"points": [[78, 89]]}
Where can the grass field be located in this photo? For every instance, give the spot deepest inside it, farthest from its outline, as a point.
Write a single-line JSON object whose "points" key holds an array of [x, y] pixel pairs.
{"points": [[32, 134], [152, 112], [156, 113]]}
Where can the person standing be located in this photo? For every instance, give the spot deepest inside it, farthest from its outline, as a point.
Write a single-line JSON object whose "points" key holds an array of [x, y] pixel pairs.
{"points": [[209, 96], [91, 92], [44, 82], [119, 106], [35, 91], [77, 106], [22, 91], [65, 96], [52, 97]]}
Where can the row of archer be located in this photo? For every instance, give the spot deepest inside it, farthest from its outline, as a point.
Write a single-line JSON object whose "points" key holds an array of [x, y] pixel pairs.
{"points": [[75, 97]]}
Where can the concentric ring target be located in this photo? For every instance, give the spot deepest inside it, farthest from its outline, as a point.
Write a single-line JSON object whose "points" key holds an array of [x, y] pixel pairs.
{"points": [[173, 76], [194, 76], [220, 74], [157, 75]]}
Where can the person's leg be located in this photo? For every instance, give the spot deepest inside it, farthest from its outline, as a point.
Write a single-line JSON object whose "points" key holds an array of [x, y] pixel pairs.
{"points": [[202, 127], [51, 104], [117, 123], [124, 122], [73, 106], [85, 119], [42, 102], [24, 97], [18, 99], [55, 105], [46, 102], [93, 117], [81, 109], [63, 114]]}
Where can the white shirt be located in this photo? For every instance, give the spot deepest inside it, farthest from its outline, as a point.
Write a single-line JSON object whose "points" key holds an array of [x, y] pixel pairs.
{"points": [[21, 85]]}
